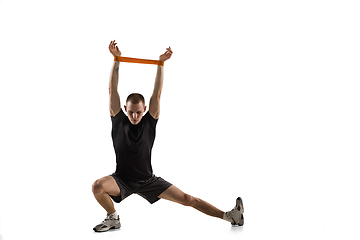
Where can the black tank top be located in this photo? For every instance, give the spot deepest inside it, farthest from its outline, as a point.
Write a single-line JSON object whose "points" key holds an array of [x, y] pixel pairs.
{"points": [[133, 145]]}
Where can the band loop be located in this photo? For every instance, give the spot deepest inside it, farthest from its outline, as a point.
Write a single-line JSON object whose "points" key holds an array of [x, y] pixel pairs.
{"points": [[138, 60]]}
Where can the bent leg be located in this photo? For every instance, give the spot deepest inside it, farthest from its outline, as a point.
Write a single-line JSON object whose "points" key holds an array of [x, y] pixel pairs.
{"points": [[176, 195], [104, 187]]}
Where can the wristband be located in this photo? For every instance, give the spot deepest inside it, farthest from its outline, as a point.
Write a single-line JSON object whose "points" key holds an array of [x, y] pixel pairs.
{"points": [[138, 60]]}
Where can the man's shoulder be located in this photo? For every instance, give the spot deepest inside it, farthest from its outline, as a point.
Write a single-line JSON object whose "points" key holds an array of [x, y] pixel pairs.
{"points": [[150, 119], [119, 117], [118, 114]]}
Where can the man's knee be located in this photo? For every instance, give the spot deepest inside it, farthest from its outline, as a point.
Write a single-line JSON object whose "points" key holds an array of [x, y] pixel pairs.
{"points": [[190, 200], [97, 187]]}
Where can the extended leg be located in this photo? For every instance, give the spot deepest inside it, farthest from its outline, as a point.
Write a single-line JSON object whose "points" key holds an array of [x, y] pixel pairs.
{"points": [[176, 195]]}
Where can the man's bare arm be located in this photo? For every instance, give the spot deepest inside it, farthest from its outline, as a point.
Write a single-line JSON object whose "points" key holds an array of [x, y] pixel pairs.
{"points": [[154, 106], [115, 105]]}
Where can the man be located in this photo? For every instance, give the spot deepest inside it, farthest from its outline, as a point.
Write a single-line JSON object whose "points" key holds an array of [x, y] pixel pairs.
{"points": [[133, 137]]}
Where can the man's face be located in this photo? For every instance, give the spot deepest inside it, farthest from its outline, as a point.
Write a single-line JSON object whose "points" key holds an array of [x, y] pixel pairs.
{"points": [[135, 112]]}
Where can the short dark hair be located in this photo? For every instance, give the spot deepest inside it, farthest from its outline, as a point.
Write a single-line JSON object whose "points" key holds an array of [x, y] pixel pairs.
{"points": [[135, 98]]}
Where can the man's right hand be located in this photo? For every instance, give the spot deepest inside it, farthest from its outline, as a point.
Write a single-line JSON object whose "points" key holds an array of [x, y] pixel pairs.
{"points": [[114, 50]]}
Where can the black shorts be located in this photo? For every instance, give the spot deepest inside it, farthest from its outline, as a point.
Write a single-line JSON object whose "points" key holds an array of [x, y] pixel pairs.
{"points": [[149, 189]]}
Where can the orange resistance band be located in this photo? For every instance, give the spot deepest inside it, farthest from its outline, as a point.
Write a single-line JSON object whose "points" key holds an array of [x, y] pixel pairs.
{"points": [[138, 60]]}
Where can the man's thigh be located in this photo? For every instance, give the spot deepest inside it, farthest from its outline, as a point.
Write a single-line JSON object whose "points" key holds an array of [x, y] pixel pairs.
{"points": [[176, 195], [109, 185]]}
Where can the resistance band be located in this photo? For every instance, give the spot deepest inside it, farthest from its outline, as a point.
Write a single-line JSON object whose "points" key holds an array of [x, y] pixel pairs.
{"points": [[138, 60]]}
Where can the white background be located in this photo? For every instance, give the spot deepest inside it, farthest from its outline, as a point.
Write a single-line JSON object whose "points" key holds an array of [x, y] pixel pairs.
{"points": [[260, 100]]}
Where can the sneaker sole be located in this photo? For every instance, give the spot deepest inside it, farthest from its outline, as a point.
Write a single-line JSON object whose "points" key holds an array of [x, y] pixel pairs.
{"points": [[240, 207], [117, 226]]}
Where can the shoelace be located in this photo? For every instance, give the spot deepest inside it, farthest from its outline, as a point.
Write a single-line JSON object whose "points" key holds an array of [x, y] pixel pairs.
{"points": [[108, 218], [230, 214]]}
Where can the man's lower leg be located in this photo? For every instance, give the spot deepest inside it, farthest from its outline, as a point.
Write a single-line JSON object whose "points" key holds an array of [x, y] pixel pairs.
{"points": [[112, 220], [207, 208], [105, 201]]}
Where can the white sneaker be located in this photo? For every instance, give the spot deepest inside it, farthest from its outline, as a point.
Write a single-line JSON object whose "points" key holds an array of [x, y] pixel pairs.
{"points": [[236, 214], [110, 222]]}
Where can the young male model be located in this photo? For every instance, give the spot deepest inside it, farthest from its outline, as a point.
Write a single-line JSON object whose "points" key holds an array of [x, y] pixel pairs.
{"points": [[133, 137]]}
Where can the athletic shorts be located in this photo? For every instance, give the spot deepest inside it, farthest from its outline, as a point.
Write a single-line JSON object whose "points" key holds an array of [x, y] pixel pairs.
{"points": [[149, 189]]}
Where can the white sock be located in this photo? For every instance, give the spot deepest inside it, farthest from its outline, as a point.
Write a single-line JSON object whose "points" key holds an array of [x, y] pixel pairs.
{"points": [[114, 214], [226, 218]]}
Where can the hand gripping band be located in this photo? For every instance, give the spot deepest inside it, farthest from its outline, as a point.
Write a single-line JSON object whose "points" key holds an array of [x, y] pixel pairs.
{"points": [[138, 60]]}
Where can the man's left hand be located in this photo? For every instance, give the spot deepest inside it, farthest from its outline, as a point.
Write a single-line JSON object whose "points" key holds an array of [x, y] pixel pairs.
{"points": [[166, 55]]}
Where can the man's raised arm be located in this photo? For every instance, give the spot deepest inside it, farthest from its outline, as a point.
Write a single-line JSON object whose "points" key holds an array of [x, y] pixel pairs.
{"points": [[115, 105], [154, 106]]}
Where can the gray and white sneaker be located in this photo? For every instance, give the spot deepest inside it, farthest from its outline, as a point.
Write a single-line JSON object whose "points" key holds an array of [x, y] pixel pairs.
{"points": [[110, 222], [236, 214]]}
